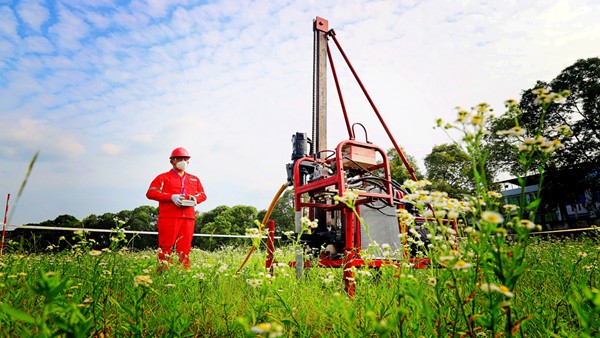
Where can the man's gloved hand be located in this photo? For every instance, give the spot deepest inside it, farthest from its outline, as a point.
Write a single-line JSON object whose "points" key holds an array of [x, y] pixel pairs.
{"points": [[193, 198], [176, 199]]}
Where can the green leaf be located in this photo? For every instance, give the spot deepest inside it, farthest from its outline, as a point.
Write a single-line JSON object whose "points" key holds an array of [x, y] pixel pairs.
{"points": [[533, 204], [17, 314]]}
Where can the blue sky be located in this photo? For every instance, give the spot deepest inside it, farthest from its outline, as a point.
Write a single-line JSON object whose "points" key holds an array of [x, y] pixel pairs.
{"points": [[106, 89]]}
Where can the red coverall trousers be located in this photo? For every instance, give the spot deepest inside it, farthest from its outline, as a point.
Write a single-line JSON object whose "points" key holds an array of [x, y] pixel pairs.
{"points": [[175, 223], [178, 232]]}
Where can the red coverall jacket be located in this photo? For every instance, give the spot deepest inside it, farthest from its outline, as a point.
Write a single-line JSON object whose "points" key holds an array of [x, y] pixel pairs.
{"points": [[169, 183]]}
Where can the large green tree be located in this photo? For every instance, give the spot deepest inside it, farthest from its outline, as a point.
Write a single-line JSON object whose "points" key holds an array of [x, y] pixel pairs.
{"points": [[574, 169], [232, 221], [142, 218], [398, 170], [202, 221], [208, 217], [66, 221], [449, 169], [579, 112], [283, 213]]}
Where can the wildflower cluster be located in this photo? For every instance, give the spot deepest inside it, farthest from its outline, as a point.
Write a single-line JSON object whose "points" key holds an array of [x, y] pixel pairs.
{"points": [[117, 236], [223, 268], [487, 219], [254, 282], [545, 98], [405, 218], [255, 232], [308, 225], [349, 197], [268, 329], [485, 287], [329, 278], [142, 281], [537, 143], [472, 124], [383, 251], [433, 204], [82, 243], [532, 143]]}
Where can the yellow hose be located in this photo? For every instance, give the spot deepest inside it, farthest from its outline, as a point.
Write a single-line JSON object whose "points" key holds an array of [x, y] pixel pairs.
{"points": [[265, 219]]}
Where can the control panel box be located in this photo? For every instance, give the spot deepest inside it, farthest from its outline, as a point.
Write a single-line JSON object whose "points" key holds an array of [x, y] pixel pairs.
{"points": [[358, 157], [188, 203]]}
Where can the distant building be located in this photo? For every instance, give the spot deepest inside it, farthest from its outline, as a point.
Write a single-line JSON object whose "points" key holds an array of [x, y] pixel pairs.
{"points": [[569, 199]]}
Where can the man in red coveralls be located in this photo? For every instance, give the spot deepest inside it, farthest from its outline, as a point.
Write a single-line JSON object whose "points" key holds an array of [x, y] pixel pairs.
{"points": [[177, 192]]}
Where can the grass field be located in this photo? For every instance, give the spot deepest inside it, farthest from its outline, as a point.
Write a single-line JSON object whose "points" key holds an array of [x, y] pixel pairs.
{"points": [[115, 293]]}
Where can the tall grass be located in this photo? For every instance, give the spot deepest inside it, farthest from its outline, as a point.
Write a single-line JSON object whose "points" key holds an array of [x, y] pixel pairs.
{"points": [[118, 293]]}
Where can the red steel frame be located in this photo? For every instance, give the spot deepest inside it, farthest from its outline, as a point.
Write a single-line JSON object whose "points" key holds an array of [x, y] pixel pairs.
{"points": [[270, 246], [337, 181]]}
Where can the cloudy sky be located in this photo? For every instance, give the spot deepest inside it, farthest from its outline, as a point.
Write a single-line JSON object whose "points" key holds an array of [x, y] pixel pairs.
{"points": [[106, 89]]}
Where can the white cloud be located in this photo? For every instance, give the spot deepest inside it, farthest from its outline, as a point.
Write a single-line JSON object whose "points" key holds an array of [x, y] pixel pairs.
{"points": [[129, 20], [182, 21], [6, 48], [8, 23], [142, 138], [29, 134], [33, 13], [98, 20], [8, 151], [112, 149], [69, 30], [154, 8], [22, 83], [37, 44]]}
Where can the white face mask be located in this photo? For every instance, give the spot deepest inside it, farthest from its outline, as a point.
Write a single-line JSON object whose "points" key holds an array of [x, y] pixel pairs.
{"points": [[181, 165]]}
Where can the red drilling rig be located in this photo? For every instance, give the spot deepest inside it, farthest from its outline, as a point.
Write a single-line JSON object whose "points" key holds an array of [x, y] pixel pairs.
{"points": [[356, 170]]}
